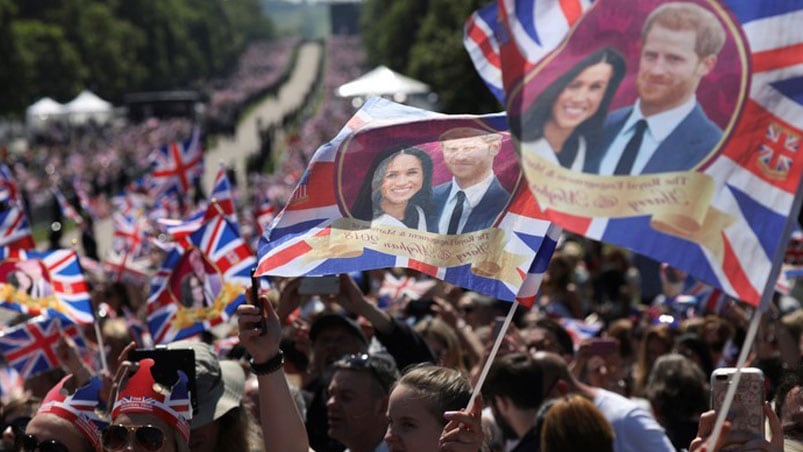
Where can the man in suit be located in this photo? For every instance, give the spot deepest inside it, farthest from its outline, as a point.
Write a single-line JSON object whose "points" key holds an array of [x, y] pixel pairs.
{"points": [[473, 199], [666, 129]]}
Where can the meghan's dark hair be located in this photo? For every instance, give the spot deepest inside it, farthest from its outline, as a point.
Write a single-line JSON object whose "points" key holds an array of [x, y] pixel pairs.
{"points": [[530, 126]]}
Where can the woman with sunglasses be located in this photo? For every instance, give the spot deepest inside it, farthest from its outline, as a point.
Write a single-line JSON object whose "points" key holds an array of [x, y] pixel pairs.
{"points": [[65, 422], [148, 416]]}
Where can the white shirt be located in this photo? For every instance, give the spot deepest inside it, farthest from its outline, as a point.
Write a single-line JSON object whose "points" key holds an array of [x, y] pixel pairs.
{"points": [[659, 126], [473, 194], [389, 220], [542, 148], [635, 429]]}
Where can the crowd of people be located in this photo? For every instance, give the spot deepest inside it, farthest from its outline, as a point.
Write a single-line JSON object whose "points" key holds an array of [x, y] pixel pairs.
{"points": [[615, 354]]}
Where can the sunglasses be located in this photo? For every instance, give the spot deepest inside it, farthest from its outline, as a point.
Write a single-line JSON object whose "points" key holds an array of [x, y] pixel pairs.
{"points": [[117, 437], [29, 443], [383, 370]]}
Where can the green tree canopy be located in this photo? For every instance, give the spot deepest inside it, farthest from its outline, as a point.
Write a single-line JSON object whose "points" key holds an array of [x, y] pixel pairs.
{"points": [[424, 39], [56, 48]]}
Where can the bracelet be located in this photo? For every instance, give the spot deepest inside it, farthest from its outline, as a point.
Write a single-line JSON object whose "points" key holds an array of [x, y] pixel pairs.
{"points": [[269, 366]]}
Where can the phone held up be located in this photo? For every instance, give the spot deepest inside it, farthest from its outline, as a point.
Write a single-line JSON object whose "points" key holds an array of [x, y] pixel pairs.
{"points": [[747, 410], [319, 285], [255, 285]]}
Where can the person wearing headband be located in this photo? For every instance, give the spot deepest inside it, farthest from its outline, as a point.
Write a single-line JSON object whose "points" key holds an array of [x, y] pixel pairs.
{"points": [[149, 416], [66, 422]]}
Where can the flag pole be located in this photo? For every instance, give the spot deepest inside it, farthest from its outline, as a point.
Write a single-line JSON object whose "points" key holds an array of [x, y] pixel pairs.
{"points": [[101, 347], [487, 367], [764, 303]]}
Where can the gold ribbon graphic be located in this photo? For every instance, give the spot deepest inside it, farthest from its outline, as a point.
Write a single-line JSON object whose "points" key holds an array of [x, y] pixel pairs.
{"points": [[678, 202], [483, 249]]}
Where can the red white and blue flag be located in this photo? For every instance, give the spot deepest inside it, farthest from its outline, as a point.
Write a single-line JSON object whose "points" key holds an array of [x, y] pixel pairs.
{"points": [[15, 229], [722, 217], [201, 282], [395, 288], [31, 347], [66, 208], [177, 165], [483, 48], [221, 202], [332, 225], [130, 236], [48, 282]]}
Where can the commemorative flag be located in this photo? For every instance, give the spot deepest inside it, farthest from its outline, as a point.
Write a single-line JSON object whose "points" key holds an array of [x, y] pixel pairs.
{"points": [[685, 152], [30, 348], [200, 283], [404, 187], [45, 282]]}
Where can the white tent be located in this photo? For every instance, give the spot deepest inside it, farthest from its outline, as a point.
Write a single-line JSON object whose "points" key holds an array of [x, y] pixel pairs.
{"points": [[382, 81], [88, 106], [42, 111]]}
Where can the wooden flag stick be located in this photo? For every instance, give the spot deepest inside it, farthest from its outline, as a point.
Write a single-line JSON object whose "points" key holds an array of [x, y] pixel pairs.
{"points": [[497, 343]]}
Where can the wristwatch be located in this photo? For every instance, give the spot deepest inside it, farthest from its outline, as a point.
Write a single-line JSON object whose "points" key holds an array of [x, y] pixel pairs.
{"points": [[269, 366]]}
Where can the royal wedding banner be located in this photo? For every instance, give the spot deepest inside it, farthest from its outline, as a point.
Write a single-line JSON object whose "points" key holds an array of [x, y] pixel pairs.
{"points": [[667, 127], [404, 187]]}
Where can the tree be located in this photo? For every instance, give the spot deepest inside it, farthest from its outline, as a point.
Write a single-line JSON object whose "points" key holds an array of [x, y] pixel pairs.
{"points": [[428, 47], [49, 64]]}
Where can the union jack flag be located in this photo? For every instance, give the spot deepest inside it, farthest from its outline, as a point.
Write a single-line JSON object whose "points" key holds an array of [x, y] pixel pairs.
{"points": [[122, 267], [394, 287], [227, 260], [778, 151], [49, 282], [223, 195], [311, 225], [66, 208], [483, 48], [31, 347], [177, 165], [15, 229], [579, 330], [84, 200], [754, 193], [130, 235], [222, 202]]}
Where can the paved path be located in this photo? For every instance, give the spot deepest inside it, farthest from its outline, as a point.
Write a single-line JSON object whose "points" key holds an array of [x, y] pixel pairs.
{"points": [[234, 150]]}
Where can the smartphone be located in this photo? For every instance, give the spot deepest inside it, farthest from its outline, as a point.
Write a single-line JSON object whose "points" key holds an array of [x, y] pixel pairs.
{"points": [[747, 410], [319, 285], [167, 363], [602, 347], [255, 286]]}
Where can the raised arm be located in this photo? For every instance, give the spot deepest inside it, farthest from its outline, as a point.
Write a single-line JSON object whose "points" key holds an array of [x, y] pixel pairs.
{"points": [[282, 425]]}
